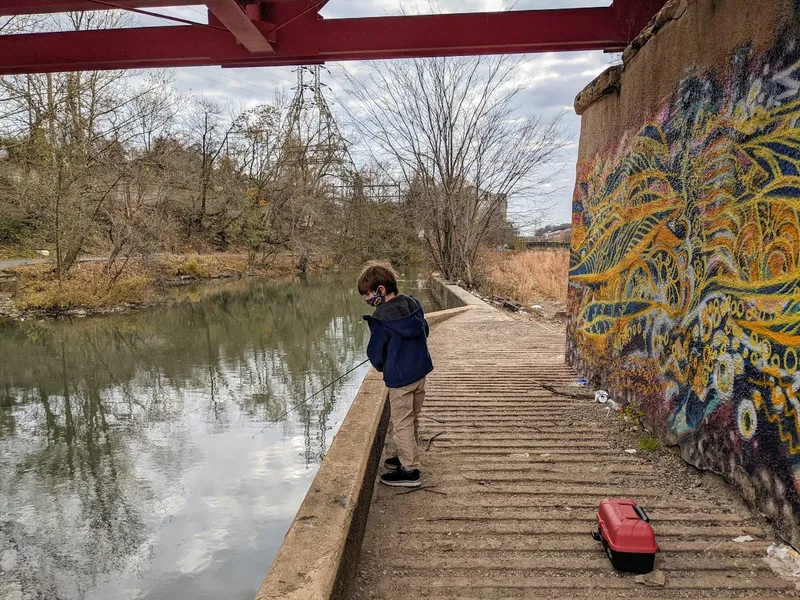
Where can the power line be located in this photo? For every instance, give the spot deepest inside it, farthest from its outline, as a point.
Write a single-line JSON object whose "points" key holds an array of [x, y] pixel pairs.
{"points": [[191, 8], [199, 12], [228, 76], [211, 79], [307, 10], [278, 77], [171, 16], [112, 5], [254, 86], [176, 15]]}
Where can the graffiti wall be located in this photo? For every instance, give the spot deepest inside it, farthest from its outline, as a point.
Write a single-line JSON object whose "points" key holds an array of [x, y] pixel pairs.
{"points": [[685, 271]]}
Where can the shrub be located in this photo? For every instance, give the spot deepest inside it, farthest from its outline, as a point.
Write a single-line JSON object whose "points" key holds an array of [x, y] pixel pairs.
{"points": [[649, 443], [85, 286]]}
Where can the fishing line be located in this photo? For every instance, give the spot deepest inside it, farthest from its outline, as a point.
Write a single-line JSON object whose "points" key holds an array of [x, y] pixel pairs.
{"points": [[317, 393]]}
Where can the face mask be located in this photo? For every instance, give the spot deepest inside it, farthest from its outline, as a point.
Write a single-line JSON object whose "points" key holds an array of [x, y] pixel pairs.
{"points": [[377, 299]]}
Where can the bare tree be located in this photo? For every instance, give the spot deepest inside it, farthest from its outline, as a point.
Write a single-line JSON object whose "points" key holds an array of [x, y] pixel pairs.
{"points": [[209, 126], [136, 222], [121, 166], [450, 125], [287, 167], [19, 24], [71, 134]]}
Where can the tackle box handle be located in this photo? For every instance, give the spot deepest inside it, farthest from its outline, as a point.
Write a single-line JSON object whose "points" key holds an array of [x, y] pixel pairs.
{"points": [[641, 514]]}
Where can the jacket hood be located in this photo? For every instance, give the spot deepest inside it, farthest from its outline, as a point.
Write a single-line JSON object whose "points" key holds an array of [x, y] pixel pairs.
{"points": [[402, 315]]}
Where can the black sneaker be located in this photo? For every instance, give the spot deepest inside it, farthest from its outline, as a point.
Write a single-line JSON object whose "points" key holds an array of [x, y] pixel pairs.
{"points": [[392, 463], [402, 478]]}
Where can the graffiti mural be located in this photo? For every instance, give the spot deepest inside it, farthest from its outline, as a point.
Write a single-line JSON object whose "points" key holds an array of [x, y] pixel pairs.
{"points": [[685, 274]]}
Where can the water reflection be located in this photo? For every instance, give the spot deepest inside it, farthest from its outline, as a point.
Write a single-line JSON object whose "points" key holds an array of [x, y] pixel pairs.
{"points": [[128, 466]]}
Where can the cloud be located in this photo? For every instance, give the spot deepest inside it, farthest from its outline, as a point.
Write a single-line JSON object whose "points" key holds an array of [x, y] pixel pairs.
{"points": [[377, 8], [549, 81]]}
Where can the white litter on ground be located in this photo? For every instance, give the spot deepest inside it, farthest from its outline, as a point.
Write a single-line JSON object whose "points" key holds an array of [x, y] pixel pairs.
{"points": [[743, 539], [784, 561]]}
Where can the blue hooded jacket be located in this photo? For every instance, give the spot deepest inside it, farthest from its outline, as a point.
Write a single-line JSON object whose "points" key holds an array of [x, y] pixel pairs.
{"points": [[398, 345]]}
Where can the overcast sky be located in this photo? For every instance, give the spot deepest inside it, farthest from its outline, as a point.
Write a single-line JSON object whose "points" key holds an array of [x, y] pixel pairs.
{"points": [[550, 81]]}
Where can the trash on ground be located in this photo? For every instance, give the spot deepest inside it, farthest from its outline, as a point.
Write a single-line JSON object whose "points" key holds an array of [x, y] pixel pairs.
{"points": [[630, 451], [653, 579], [783, 560], [742, 539], [526, 455], [612, 406], [601, 396], [507, 303], [582, 382]]}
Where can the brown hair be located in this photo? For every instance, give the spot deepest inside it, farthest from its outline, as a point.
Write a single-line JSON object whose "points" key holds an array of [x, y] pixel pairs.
{"points": [[375, 274]]}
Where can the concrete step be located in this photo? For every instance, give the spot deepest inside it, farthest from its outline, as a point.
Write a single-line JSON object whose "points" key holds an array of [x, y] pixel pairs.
{"points": [[514, 479], [521, 526], [597, 561], [486, 581], [577, 515], [568, 544]]}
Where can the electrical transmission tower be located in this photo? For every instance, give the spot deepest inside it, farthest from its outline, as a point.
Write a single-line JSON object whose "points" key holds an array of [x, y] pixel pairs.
{"points": [[312, 128]]}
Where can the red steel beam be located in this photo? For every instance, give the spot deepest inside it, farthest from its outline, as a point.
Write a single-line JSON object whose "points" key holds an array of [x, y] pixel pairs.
{"points": [[230, 14], [633, 15], [306, 38], [509, 32], [38, 7]]}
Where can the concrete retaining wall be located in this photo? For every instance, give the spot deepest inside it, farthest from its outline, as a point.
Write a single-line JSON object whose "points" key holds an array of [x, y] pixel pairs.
{"points": [[449, 295], [319, 556], [685, 267]]}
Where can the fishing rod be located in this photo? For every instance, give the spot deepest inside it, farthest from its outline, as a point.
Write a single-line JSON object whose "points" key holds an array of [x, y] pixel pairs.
{"points": [[317, 393]]}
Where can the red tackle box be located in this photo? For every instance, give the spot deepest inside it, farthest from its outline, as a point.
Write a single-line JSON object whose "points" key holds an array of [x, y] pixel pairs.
{"points": [[626, 535]]}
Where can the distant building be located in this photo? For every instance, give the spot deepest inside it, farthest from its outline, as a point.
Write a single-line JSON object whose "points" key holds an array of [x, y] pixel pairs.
{"points": [[558, 235], [550, 236]]}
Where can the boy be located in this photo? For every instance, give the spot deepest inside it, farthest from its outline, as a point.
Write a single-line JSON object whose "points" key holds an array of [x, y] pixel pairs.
{"points": [[398, 348]]}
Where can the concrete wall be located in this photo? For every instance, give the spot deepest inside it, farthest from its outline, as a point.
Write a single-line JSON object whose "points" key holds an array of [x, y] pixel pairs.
{"points": [[319, 556], [685, 268], [448, 295]]}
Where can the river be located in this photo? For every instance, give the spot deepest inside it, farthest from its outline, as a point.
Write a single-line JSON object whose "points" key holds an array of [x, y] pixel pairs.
{"points": [[134, 459]]}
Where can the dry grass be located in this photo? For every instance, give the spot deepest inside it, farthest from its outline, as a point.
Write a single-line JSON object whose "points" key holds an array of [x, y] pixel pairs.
{"points": [[527, 276], [14, 253], [214, 266], [87, 286], [202, 266]]}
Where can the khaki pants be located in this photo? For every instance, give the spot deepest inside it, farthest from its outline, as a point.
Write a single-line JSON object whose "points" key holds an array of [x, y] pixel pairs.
{"points": [[406, 404]]}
